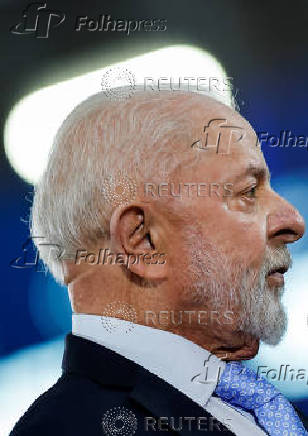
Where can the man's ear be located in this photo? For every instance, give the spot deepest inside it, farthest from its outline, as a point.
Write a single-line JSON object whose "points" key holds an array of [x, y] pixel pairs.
{"points": [[134, 233]]}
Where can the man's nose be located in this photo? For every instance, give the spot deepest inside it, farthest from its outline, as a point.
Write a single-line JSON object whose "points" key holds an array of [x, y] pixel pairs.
{"points": [[285, 224]]}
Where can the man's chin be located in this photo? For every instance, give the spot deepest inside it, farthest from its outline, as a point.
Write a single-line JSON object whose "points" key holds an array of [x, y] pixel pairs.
{"points": [[266, 318], [276, 332], [268, 337], [276, 321]]}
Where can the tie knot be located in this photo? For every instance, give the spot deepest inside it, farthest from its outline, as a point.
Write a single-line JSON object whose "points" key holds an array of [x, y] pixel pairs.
{"points": [[241, 386]]}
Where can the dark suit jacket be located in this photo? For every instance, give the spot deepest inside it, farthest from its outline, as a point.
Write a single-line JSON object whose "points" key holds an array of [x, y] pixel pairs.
{"points": [[102, 393]]}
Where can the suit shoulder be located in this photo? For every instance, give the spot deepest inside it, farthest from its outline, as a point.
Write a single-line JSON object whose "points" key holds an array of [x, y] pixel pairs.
{"points": [[70, 406]]}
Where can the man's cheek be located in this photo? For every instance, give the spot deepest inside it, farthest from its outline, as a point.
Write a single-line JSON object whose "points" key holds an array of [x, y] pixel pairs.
{"points": [[240, 204], [253, 247], [247, 242]]}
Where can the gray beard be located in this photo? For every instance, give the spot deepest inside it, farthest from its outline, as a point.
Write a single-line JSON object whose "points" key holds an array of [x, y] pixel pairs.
{"points": [[213, 281], [263, 315]]}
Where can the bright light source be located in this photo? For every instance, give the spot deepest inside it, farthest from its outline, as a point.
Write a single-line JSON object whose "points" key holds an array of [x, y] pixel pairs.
{"points": [[34, 120]]}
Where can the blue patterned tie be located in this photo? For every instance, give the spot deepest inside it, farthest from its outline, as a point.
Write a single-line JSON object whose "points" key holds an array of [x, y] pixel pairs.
{"points": [[240, 386]]}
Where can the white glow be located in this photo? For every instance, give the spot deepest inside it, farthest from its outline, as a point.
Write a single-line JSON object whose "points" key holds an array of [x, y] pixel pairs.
{"points": [[34, 370], [34, 120]]}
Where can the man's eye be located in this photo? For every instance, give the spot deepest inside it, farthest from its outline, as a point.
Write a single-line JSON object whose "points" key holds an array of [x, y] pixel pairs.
{"points": [[251, 193]]}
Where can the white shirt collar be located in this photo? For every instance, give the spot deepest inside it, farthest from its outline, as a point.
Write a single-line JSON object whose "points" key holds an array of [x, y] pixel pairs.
{"points": [[180, 362]]}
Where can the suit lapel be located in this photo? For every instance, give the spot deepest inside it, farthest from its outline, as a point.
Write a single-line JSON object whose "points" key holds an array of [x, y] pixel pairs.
{"points": [[176, 410], [160, 399], [301, 416]]}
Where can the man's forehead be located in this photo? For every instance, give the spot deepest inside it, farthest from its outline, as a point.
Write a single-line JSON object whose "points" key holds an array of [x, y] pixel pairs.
{"points": [[210, 110], [216, 127], [243, 160]]}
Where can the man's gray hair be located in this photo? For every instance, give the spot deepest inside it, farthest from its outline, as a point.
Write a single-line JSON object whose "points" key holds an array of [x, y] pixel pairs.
{"points": [[100, 154]]}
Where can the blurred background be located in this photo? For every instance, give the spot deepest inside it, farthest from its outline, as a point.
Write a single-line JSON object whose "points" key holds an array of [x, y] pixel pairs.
{"points": [[48, 67]]}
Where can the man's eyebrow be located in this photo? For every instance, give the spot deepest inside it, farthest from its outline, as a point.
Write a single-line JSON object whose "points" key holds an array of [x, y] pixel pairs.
{"points": [[259, 172]]}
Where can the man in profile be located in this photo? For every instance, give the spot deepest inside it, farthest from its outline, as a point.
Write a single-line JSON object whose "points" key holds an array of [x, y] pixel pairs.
{"points": [[197, 245]]}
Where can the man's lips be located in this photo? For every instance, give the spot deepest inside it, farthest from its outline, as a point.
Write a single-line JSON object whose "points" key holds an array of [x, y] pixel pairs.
{"points": [[275, 276]]}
